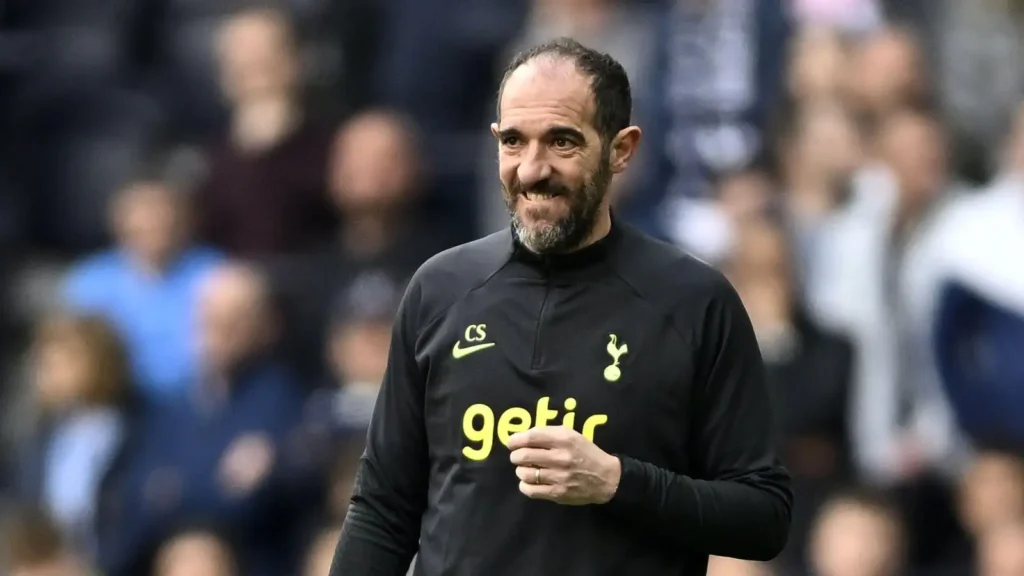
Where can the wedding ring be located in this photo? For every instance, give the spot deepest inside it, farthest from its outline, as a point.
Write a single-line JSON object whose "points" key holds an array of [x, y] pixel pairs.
{"points": [[536, 475]]}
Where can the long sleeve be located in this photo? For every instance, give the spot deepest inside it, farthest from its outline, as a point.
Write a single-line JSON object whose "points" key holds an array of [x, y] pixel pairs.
{"points": [[381, 532], [738, 501]]}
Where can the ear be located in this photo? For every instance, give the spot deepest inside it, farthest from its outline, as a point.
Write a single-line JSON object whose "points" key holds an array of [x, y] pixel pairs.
{"points": [[624, 147], [494, 130]]}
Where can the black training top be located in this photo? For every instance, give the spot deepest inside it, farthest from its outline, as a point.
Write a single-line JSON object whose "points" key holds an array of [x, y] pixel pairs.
{"points": [[640, 347]]}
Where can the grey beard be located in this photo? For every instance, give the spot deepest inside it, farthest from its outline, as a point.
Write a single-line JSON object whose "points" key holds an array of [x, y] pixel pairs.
{"points": [[560, 236]]}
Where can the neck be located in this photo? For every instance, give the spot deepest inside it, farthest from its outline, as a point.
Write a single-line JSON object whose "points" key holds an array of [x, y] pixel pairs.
{"points": [[260, 124], [602, 226]]}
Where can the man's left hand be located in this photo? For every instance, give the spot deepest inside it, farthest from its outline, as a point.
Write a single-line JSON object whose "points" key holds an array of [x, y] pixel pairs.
{"points": [[559, 464]]}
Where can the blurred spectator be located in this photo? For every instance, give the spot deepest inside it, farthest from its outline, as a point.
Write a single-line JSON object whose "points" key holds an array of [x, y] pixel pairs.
{"points": [[147, 284], [229, 453], [858, 534], [818, 61], [82, 385], [321, 553], [196, 553], [874, 278], [809, 370], [377, 181], [35, 547], [887, 74], [1002, 551], [265, 192], [820, 149]]}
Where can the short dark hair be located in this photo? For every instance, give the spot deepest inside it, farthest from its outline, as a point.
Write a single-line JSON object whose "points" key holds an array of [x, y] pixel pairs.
{"points": [[609, 82]]}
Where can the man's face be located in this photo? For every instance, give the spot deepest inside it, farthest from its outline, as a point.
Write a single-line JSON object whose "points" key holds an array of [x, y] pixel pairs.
{"points": [[554, 169], [149, 221], [256, 57]]}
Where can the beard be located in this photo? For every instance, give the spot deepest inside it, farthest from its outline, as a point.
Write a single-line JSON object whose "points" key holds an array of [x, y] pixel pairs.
{"points": [[567, 233]]}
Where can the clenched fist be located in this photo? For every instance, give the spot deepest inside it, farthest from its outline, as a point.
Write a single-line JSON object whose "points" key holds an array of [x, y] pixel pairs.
{"points": [[559, 464]]}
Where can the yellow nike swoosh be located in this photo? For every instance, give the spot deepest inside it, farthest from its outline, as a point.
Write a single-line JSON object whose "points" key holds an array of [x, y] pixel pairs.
{"points": [[463, 352]]}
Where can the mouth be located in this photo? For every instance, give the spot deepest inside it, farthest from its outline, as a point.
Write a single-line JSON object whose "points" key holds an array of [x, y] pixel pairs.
{"points": [[540, 196]]}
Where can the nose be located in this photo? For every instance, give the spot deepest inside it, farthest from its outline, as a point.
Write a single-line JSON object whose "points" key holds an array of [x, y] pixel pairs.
{"points": [[534, 168]]}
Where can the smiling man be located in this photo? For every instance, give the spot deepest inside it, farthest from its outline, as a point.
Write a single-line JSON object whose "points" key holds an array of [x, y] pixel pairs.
{"points": [[567, 397]]}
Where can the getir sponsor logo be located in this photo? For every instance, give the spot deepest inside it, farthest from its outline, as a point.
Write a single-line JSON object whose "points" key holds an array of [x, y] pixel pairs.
{"points": [[480, 426]]}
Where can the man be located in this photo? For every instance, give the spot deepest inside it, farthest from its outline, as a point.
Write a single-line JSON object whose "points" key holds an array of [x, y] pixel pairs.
{"points": [[622, 376]]}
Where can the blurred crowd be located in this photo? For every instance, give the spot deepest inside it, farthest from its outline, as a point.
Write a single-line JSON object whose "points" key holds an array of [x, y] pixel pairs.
{"points": [[209, 210]]}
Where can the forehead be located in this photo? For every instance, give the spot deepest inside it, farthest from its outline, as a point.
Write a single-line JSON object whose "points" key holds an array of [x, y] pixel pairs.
{"points": [[545, 92]]}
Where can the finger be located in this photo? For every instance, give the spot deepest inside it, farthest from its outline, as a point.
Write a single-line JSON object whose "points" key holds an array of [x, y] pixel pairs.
{"points": [[531, 475], [545, 437], [550, 492], [539, 457]]}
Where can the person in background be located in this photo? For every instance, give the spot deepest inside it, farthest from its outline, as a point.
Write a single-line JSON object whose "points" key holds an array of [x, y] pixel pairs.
{"points": [[146, 284], [231, 452], [82, 384], [875, 279], [818, 60], [265, 191], [1002, 551], [377, 183], [34, 547], [809, 370], [338, 413], [858, 534], [195, 552], [821, 151]]}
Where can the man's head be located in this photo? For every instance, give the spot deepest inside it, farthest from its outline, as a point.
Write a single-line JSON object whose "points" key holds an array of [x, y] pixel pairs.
{"points": [[258, 56], [234, 317], [376, 164], [150, 220], [857, 534], [914, 147], [563, 131]]}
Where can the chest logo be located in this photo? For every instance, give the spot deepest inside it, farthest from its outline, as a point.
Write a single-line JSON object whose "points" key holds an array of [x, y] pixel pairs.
{"points": [[612, 372], [475, 334]]}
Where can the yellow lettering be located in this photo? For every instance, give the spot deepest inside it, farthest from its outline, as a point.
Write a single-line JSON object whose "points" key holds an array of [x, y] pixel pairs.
{"points": [[570, 417], [475, 333], [483, 434], [544, 414], [592, 423], [512, 421], [481, 427]]}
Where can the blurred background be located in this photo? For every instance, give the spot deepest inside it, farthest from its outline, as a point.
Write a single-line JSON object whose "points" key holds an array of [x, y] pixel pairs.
{"points": [[209, 210]]}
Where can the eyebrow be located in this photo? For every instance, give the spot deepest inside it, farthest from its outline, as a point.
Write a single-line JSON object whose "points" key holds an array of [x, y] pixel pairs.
{"points": [[553, 132]]}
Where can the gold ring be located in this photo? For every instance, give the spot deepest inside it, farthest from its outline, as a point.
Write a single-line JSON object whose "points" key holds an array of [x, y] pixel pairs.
{"points": [[536, 475]]}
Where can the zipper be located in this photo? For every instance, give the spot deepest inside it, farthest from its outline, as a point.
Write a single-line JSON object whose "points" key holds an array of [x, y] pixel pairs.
{"points": [[535, 363]]}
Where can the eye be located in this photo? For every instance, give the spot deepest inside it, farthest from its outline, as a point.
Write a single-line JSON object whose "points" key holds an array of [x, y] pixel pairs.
{"points": [[562, 143], [510, 141]]}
